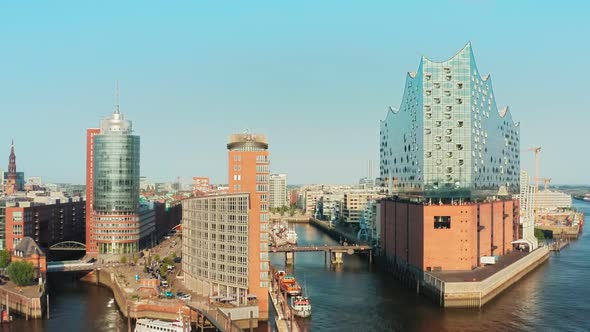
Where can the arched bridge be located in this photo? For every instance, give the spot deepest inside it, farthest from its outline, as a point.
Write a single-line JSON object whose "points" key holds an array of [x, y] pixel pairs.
{"points": [[69, 246]]}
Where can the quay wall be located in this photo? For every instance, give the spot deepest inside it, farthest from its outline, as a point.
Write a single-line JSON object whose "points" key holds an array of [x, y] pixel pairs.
{"points": [[335, 233], [135, 309], [476, 294], [570, 232], [20, 304]]}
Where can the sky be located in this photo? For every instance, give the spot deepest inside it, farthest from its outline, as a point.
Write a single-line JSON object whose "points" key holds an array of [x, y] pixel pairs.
{"points": [[315, 76]]}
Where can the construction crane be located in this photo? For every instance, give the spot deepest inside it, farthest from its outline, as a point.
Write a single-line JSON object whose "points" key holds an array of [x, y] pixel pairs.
{"points": [[546, 182], [536, 150]]}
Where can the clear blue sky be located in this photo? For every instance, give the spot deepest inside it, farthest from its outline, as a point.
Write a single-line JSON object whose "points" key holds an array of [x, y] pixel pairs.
{"points": [[314, 76]]}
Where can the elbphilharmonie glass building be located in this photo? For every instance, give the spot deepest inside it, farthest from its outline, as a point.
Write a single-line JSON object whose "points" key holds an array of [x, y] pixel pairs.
{"points": [[449, 138]]}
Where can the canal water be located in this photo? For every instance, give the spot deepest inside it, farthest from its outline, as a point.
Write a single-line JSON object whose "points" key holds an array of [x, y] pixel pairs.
{"points": [[358, 297]]}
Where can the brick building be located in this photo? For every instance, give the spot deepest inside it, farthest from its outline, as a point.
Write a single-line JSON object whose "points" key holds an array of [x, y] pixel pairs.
{"points": [[432, 237], [45, 224], [225, 237]]}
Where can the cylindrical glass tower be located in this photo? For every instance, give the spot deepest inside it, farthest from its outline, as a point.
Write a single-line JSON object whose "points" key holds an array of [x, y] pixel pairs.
{"points": [[116, 187]]}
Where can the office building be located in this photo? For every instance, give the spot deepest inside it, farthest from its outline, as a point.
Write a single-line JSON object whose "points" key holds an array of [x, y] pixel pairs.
{"points": [[112, 184], [225, 236], [448, 138], [355, 202], [201, 184], [550, 200], [278, 191]]}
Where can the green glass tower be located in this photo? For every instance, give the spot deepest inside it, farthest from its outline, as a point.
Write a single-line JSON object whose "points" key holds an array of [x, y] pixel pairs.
{"points": [[116, 186]]}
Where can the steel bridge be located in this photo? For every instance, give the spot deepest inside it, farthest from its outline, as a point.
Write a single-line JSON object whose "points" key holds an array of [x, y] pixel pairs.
{"points": [[68, 246]]}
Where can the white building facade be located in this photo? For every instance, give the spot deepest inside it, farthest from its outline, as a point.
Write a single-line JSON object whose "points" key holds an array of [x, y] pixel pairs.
{"points": [[278, 191]]}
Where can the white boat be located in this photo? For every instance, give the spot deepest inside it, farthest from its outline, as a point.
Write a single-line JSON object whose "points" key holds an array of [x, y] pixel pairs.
{"points": [[301, 306], [291, 237], [155, 325]]}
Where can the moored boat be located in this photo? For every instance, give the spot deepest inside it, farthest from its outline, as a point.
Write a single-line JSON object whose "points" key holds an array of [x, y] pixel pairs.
{"points": [[155, 325], [289, 285], [292, 237], [301, 306]]}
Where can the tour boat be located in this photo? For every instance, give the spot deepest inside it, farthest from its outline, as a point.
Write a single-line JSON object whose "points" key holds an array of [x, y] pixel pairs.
{"points": [[301, 306], [155, 325]]}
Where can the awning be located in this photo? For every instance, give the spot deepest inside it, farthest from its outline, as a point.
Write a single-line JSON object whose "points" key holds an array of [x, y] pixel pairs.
{"points": [[251, 296]]}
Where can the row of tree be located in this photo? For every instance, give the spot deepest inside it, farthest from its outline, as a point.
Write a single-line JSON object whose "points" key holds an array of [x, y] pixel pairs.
{"points": [[291, 210]]}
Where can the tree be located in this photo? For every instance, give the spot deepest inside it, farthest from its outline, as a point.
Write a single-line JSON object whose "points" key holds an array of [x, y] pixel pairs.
{"points": [[21, 272], [124, 260], [174, 255], [157, 258], [4, 258]]}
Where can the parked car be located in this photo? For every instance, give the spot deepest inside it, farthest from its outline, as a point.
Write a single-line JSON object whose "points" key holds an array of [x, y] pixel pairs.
{"points": [[168, 294], [164, 283], [177, 259]]}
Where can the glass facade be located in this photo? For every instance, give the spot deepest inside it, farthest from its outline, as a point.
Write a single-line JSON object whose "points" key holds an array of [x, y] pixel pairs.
{"points": [[116, 173], [116, 219], [448, 138]]}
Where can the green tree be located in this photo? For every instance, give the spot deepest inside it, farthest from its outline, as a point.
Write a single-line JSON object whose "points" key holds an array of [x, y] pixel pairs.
{"points": [[124, 260], [21, 272], [174, 254], [4, 258], [157, 258]]}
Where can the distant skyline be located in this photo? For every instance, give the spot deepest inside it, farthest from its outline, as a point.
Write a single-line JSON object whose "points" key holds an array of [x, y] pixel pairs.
{"points": [[314, 77]]}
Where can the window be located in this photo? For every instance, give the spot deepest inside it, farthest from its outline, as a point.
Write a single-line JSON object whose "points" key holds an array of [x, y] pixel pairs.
{"points": [[459, 101], [437, 100], [459, 124], [459, 85], [442, 222]]}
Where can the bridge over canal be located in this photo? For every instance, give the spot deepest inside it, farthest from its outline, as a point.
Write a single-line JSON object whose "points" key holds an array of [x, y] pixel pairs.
{"points": [[335, 252]]}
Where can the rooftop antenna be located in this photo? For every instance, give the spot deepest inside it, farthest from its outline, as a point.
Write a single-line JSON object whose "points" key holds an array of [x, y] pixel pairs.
{"points": [[117, 98]]}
